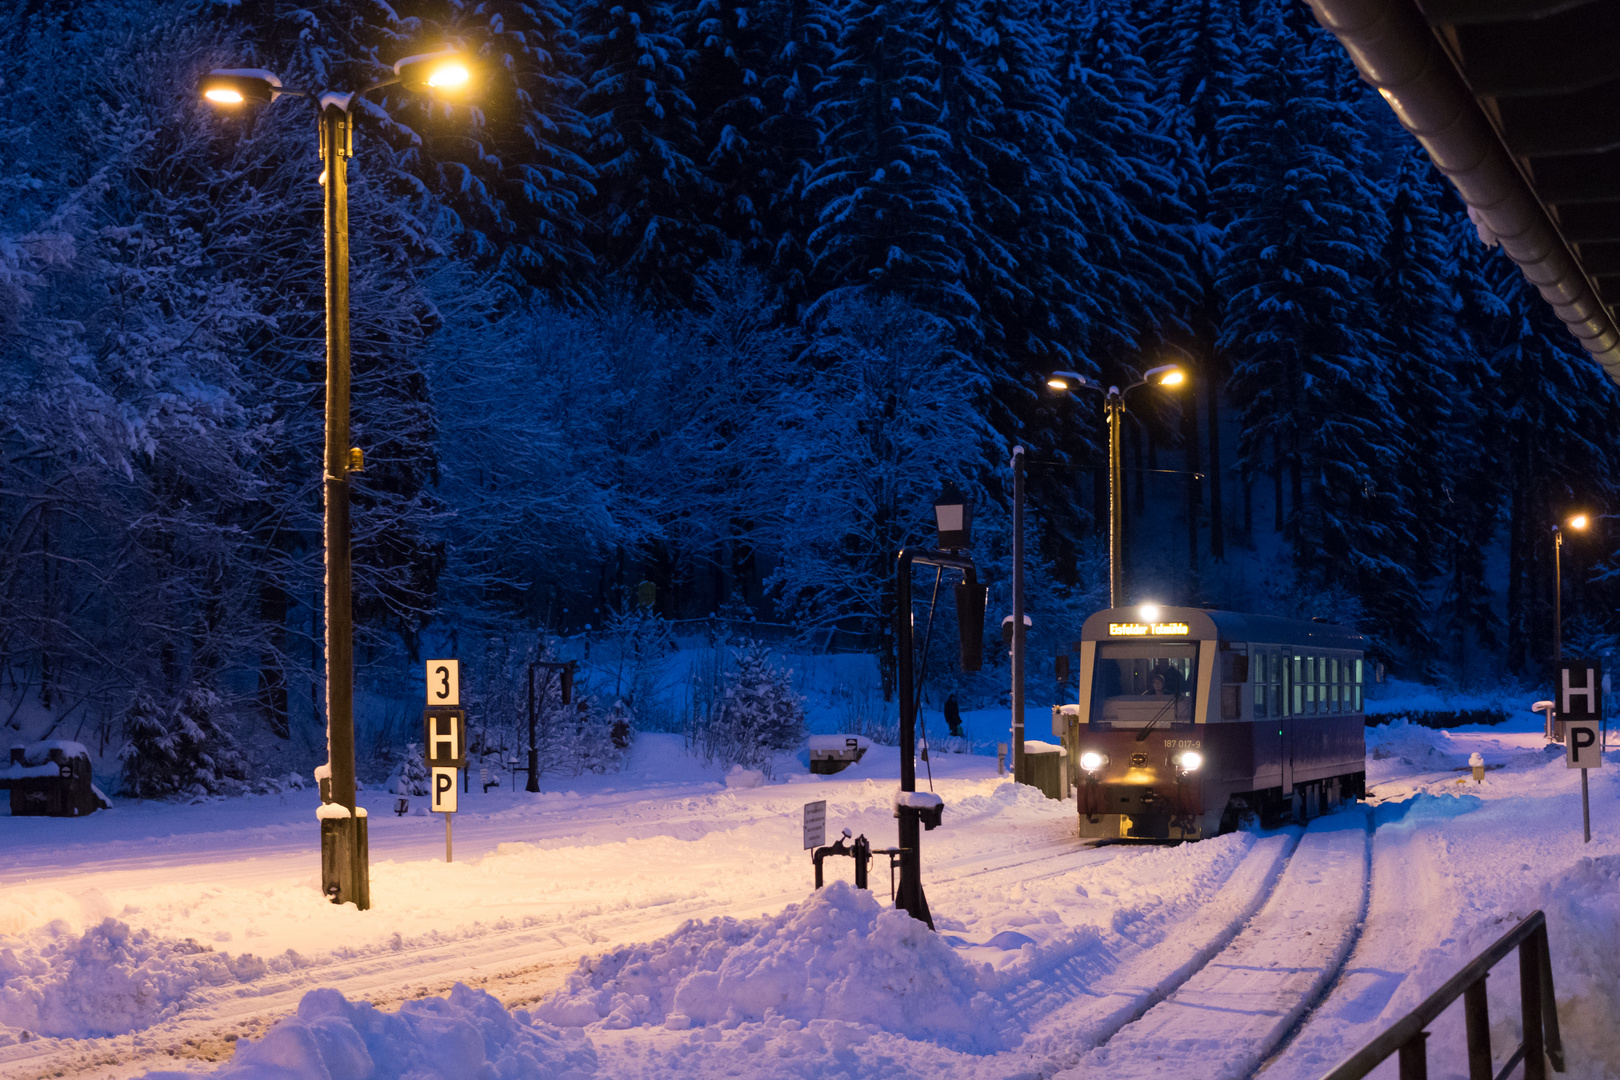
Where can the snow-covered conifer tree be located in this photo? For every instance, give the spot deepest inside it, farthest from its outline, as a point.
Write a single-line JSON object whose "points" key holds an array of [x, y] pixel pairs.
{"points": [[650, 190], [757, 714], [891, 214]]}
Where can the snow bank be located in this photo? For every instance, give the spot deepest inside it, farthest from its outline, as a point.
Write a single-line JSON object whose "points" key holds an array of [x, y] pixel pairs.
{"points": [[1583, 923], [465, 1036], [108, 981], [742, 778], [838, 956], [1425, 807]]}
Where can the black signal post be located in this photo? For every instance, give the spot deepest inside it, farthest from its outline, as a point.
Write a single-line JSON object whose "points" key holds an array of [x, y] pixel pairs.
{"points": [[970, 595]]}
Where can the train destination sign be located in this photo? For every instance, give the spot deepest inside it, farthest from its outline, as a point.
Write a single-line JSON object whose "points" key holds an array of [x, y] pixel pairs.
{"points": [[1158, 629]]}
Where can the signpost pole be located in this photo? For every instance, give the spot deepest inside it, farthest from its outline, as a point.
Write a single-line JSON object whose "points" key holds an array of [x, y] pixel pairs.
{"points": [[1586, 809], [447, 838]]}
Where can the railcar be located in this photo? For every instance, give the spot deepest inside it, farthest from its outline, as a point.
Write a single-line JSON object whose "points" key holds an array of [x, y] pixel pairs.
{"points": [[1189, 721]]}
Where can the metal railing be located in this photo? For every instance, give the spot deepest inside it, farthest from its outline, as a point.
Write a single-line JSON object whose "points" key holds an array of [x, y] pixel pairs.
{"points": [[1540, 1014]]}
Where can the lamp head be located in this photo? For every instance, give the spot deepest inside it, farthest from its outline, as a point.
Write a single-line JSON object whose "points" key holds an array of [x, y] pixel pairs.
{"points": [[240, 86], [1579, 521], [1067, 380], [1165, 375], [446, 71]]}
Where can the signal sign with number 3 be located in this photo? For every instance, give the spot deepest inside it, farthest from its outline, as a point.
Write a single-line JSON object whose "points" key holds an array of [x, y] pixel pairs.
{"points": [[443, 682]]}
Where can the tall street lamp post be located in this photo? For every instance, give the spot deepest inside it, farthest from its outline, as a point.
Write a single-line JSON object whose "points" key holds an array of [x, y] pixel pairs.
{"points": [[1169, 375], [1578, 523], [345, 874]]}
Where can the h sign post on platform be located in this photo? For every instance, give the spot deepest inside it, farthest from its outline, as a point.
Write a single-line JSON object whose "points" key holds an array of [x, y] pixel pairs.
{"points": [[444, 737], [1580, 707]]}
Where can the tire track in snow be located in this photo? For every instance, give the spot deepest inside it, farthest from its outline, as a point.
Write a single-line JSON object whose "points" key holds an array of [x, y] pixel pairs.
{"points": [[1224, 1020]]}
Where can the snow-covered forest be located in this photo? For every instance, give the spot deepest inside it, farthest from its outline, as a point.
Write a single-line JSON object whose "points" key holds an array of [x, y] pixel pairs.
{"points": [[714, 294]]}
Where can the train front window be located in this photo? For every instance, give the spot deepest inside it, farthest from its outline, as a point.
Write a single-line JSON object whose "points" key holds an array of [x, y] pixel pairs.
{"points": [[1135, 683]]}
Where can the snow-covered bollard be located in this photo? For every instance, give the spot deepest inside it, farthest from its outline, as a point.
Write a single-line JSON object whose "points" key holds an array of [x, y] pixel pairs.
{"points": [[1477, 762]]}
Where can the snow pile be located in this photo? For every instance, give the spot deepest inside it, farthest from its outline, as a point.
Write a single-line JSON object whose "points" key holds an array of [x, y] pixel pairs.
{"points": [[1411, 745], [838, 956], [1423, 808], [108, 981], [465, 1036], [740, 777], [1583, 922]]}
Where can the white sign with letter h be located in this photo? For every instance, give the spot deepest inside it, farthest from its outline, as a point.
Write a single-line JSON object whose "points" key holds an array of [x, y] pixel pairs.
{"points": [[1589, 692]]}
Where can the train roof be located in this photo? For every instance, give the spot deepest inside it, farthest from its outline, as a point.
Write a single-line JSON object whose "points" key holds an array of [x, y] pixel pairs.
{"points": [[1204, 623]]}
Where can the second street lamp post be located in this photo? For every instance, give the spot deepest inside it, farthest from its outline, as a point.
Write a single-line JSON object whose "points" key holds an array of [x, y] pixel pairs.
{"points": [[345, 875], [1114, 408], [1579, 523]]}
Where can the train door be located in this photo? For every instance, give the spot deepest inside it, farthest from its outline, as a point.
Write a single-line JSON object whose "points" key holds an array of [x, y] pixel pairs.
{"points": [[1285, 720]]}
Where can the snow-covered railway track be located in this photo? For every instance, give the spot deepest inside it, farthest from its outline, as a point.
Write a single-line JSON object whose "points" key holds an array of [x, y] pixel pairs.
{"points": [[516, 965], [1229, 1011]]}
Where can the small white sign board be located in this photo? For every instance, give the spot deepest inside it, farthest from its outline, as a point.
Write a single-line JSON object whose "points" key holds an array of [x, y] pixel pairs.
{"points": [[444, 790], [1581, 745], [815, 824], [444, 682]]}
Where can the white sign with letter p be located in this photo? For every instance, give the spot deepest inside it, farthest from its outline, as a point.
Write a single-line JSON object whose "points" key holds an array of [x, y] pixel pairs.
{"points": [[1581, 745], [444, 790]]}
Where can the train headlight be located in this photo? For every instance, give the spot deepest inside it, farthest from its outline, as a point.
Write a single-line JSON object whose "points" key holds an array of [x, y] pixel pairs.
{"points": [[1190, 761], [1091, 761]]}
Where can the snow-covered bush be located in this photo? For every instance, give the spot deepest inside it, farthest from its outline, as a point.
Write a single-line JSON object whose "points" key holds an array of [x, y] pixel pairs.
{"points": [[756, 715], [578, 738], [180, 748], [410, 775]]}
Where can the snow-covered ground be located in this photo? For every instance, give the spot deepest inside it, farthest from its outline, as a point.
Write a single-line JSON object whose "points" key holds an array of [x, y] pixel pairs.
{"points": [[658, 922]]}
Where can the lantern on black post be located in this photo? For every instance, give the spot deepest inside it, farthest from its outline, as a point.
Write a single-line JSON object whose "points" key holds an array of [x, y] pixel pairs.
{"points": [[953, 516]]}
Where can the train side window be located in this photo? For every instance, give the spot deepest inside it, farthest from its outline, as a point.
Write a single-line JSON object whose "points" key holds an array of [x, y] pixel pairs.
{"points": [[1358, 684], [1333, 681], [1262, 665], [1279, 672]]}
